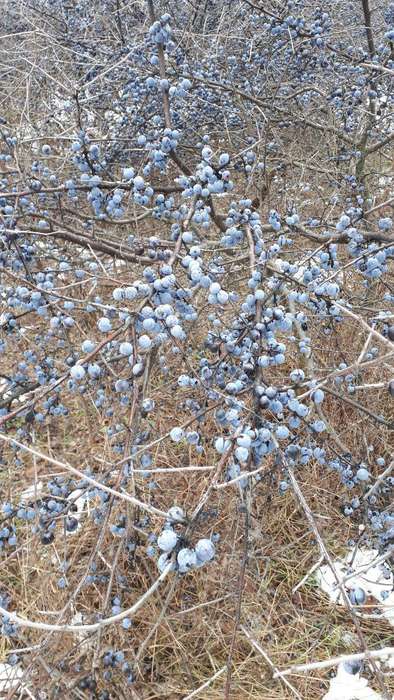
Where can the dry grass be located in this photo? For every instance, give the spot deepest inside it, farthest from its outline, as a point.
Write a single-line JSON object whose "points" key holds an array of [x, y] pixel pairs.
{"points": [[185, 632], [191, 642]]}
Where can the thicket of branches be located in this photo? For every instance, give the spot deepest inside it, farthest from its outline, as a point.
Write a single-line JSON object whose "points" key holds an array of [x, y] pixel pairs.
{"points": [[197, 338]]}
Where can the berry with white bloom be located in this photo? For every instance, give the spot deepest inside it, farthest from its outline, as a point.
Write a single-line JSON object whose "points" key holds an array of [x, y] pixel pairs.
{"points": [[163, 562], [144, 342], [126, 349], [282, 432], [178, 332], [77, 372], [244, 441], [176, 434], [318, 396], [104, 324], [167, 540], [187, 559], [221, 445], [176, 514], [88, 346], [242, 453], [205, 550], [357, 596], [118, 294], [94, 370], [363, 474]]}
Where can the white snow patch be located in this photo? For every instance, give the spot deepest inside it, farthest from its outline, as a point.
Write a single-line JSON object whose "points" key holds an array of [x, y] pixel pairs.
{"points": [[375, 580], [6, 394], [32, 492], [346, 686], [9, 677], [85, 638]]}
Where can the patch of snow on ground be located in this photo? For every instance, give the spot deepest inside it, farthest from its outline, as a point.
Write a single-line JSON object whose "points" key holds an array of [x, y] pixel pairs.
{"points": [[9, 677], [349, 686], [376, 580], [85, 638], [32, 492]]}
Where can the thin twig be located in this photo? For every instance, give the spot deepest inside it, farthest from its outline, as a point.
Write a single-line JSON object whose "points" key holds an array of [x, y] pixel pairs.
{"points": [[205, 685], [277, 673], [379, 480], [335, 660], [94, 627]]}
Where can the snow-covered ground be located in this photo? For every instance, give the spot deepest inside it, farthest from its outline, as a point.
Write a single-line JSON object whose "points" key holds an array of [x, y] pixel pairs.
{"points": [[361, 573], [374, 579]]}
